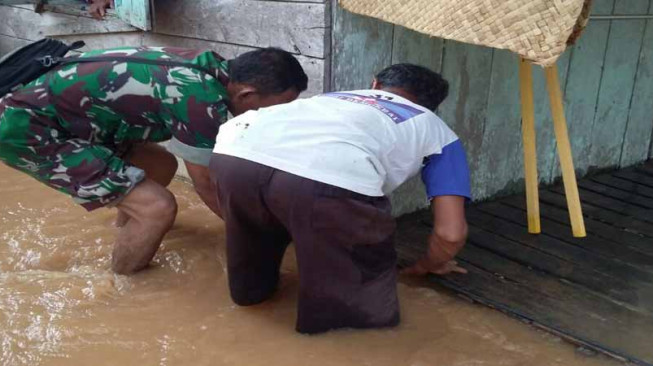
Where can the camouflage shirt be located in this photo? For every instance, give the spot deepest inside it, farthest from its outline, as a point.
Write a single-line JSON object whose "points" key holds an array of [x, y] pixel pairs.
{"points": [[115, 104], [70, 128]]}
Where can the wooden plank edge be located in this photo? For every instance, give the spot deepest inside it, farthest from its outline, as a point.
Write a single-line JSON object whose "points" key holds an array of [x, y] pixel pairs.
{"points": [[570, 337]]}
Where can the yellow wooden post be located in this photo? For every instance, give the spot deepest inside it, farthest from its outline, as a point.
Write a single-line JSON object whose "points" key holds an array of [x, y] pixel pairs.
{"points": [[530, 152], [564, 152]]}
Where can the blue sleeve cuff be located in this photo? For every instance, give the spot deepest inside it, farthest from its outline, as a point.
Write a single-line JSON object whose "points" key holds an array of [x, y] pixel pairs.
{"points": [[447, 173]]}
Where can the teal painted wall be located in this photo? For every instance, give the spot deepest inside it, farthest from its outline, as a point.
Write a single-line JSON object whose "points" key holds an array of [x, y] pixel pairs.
{"points": [[608, 92]]}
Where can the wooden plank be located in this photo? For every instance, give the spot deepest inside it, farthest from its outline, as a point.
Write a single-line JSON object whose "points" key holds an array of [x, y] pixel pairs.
{"points": [[613, 287], [604, 230], [533, 258], [501, 160], [595, 244], [106, 40], [635, 176], [616, 90], [630, 7], [581, 92], [296, 27], [577, 255], [413, 232], [602, 7], [76, 8], [409, 197], [362, 46], [313, 67], [640, 119], [413, 47], [134, 12], [468, 69], [19, 22], [649, 24], [625, 222], [598, 322], [624, 184], [296, 1], [625, 196], [613, 204], [646, 168]]}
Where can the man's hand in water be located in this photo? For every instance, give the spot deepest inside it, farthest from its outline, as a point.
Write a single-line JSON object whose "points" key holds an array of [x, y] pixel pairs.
{"points": [[98, 8]]}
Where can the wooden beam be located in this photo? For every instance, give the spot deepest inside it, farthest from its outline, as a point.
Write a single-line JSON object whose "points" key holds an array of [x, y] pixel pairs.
{"points": [[564, 152], [297, 27], [25, 23], [530, 150], [313, 67], [468, 69]]}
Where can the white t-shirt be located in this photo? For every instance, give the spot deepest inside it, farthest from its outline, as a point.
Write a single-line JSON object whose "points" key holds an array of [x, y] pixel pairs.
{"points": [[365, 141]]}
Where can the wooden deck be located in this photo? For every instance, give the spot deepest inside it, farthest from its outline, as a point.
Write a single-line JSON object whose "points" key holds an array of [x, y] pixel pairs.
{"points": [[596, 291]]}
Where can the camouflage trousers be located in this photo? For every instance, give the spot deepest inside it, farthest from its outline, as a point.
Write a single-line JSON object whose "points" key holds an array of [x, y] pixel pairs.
{"points": [[94, 175]]}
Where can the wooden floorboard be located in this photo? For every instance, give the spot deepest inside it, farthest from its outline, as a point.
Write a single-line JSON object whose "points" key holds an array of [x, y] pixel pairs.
{"points": [[624, 185], [596, 244], [596, 291], [575, 254], [627, 223], [612, 204], [646, 169], [633, 198], [618, 236], [636, 176]]}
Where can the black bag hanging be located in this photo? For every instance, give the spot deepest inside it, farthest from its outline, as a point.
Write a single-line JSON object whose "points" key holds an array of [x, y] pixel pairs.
{"points": [[31, 61]]}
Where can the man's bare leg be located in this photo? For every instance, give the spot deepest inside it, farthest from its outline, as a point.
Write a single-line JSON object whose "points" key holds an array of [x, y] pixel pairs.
{"points": [[151, 209], [158, 164]]}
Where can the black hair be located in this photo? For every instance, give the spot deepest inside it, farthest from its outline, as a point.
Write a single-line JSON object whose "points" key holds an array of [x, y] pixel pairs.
{"points": [[429, 87], [271, 70]]}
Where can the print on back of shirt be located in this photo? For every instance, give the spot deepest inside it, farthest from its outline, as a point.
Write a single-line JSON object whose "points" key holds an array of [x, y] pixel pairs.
{"points": [[398, 112]]}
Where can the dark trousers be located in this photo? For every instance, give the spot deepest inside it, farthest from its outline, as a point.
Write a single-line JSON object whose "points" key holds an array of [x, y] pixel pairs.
{"points": [[343, 240]]}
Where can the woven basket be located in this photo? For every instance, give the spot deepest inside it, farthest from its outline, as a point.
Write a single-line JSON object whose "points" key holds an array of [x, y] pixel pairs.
{"points": [[538, 30]]}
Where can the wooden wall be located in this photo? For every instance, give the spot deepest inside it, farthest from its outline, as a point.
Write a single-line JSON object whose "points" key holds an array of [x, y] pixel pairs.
{"points": [[226, 26], [607, 79]]}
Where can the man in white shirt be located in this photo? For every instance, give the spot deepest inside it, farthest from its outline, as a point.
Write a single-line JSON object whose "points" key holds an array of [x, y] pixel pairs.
{"points": [[318, 171]]}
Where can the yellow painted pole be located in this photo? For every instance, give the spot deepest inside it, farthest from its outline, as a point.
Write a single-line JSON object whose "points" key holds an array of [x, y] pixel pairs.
{"points": [[530, 152], [564, 152]]}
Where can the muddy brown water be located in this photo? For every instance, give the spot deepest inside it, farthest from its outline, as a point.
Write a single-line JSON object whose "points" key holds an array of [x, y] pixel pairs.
{"points": [[60, 304]]}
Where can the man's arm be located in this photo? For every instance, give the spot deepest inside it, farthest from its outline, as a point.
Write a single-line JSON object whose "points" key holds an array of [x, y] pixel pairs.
{"points": [[447, 239], [98, 8], [446, 177], [199, 174]]}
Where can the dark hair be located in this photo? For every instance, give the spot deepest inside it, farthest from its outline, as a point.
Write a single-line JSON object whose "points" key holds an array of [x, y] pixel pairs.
{"points": [[271, 70], [426, 85]]}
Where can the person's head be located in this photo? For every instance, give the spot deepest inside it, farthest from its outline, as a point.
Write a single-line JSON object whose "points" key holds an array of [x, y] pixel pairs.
{"points": [[416, 83], [263, 78]]}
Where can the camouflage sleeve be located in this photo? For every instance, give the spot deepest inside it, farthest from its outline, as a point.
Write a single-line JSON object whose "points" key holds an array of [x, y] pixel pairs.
{"points": [[193, 140], [197, 102]]}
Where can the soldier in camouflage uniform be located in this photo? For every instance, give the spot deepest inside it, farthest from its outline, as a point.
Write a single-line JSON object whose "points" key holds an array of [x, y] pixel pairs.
{"points": [[90, 130]]}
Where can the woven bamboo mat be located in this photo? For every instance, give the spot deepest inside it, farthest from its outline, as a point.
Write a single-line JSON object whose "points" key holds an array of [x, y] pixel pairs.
{"points": [[538, 30]]}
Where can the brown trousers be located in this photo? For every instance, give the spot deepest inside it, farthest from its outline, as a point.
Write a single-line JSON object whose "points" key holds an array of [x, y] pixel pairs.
{"points": [[343, 240]]}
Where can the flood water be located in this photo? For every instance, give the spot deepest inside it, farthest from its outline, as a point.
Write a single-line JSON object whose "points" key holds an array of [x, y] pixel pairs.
{"points": [[61, 305]]}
